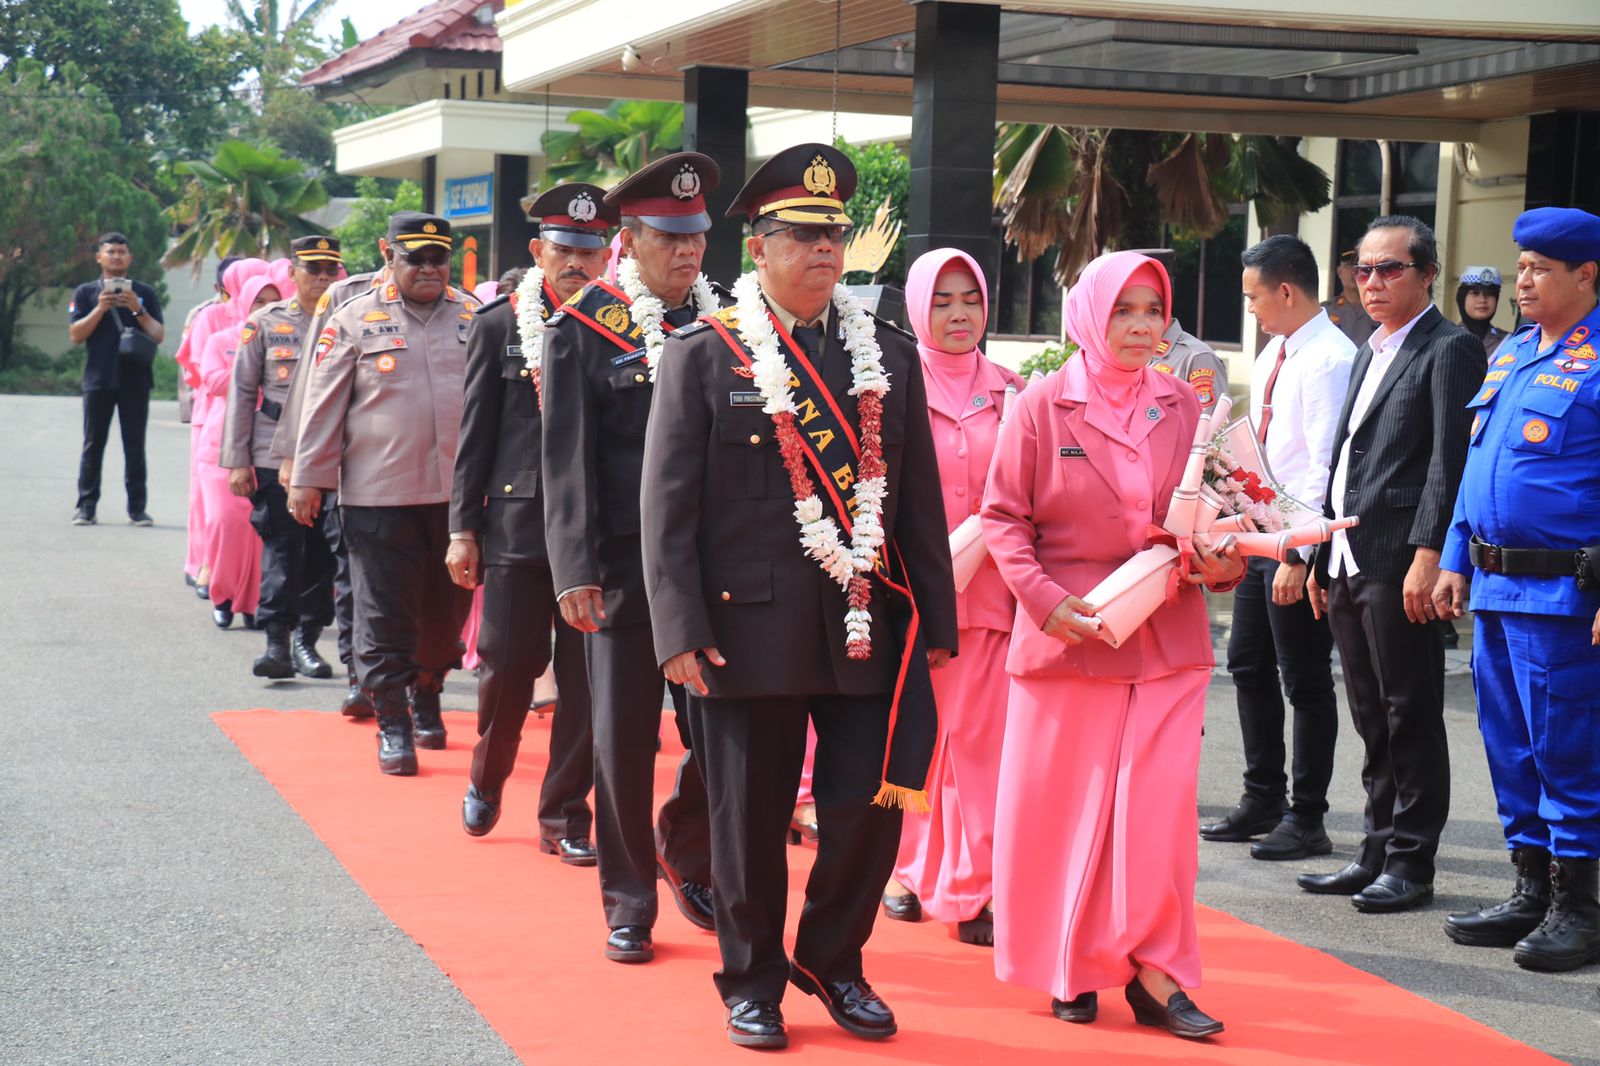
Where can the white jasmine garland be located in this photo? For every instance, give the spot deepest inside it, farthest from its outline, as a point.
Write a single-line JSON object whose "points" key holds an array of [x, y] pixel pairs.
{"points": [[647, 309], [530, 317]]}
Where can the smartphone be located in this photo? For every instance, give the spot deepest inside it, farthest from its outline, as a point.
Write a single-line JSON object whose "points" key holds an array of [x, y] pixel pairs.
{"points": [[118, 285]]}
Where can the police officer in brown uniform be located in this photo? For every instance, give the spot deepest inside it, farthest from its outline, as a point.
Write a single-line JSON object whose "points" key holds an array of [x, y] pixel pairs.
{"points": [[1183, 355], [765, 637], [356, 704], [1345, 310], [296, 561], [381, 424], [599, 359], [497, 531]]}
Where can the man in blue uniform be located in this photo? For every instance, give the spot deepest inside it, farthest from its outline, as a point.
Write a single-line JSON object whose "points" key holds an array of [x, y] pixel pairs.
{"points": [[1527, 528]]}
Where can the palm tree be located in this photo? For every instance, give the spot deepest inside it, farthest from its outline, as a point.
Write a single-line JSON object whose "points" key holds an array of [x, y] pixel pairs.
{"points": [[1086, 190], [608, 146], [280, 50], [247, 200]]}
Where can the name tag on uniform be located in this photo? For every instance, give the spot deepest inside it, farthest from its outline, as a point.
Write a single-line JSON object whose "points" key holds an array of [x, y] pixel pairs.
{"points": [[627, 357], [1072, 453], [514, 351], [745, 399]]}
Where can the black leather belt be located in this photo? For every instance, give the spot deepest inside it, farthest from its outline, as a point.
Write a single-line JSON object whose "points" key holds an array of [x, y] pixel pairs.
{"points": [[1532, 562], [271, 408]]}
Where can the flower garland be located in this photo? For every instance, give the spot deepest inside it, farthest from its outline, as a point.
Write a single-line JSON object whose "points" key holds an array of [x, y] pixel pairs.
{"points": [[819, 534], [530, 321], [647, 309]]}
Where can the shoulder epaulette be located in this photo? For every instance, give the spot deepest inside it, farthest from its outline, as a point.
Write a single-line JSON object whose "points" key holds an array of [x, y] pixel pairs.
{"points": [[496, 302], [697, 326], [907, 334]]}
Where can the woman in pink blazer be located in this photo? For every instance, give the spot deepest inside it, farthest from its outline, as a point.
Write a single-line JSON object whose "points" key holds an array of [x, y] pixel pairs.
{"points": [[945, 866], [1095, 846]]}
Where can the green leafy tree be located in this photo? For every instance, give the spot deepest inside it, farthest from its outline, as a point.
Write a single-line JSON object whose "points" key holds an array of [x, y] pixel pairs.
{"points": [[64, 164], [608, 146], [278, 41], [882, 173], [247, 200], [369, 220]]}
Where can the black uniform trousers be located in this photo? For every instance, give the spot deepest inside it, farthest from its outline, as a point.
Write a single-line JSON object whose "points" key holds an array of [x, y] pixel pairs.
{"points": [[408, 613], [625, 682], [344, 599], [1394, 679], [519, 607], [296, 561], [751, 751], [131, 405], [1269, 642]]}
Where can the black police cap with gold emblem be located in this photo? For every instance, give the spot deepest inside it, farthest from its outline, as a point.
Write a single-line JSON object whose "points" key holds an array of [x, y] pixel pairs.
{"points": [[807, 184], [575, 214], [316, 249], [410, 230], [669, 194]]}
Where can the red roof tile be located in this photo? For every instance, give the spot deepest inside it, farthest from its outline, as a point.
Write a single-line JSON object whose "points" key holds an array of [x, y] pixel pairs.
{"points": [[442, 26]]}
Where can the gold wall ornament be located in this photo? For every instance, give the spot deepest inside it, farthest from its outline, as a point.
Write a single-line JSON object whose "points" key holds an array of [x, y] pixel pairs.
{"points": [[869, 249]]}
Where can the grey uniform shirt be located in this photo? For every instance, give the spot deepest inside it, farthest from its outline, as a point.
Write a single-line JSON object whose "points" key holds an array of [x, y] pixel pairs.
{"points": [[382, 416], [1185, 356], [263, 367]]}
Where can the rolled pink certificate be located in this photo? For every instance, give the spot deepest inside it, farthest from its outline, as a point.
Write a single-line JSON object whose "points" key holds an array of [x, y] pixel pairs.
{"points": [[1132, 593], [1278, 545], [967, 551]]}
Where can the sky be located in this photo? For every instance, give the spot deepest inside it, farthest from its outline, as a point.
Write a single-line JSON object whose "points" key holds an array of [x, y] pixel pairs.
{"points": [[369, 16]]}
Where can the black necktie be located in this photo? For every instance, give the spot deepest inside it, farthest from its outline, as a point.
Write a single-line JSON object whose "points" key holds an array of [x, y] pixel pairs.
{"points": [[809, 338]]}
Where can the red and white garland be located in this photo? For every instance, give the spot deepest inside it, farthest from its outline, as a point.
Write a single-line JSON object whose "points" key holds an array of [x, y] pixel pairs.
{"points": [[819, 534], [530, 319], [647, 310]]}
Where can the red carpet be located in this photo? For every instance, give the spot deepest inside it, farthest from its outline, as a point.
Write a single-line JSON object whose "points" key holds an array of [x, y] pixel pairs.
{"points": [[520, 935]]}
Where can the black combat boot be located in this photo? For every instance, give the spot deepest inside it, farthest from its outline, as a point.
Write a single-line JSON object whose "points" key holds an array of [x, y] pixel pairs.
{"points": [[306, 659], [1569, 936], [358, 702], [276, 663], [425, 710], [397, 753], [1503, 924]]}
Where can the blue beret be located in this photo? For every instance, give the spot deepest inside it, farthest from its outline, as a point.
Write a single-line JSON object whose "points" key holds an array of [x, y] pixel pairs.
{"points": [[1563, 233]]}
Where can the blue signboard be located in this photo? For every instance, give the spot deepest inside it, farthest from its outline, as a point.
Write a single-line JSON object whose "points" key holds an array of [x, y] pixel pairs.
{"points": [[469, 196]]}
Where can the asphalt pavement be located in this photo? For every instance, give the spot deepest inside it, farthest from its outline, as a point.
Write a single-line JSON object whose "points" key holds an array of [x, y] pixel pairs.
{"points": [[160, 903]]}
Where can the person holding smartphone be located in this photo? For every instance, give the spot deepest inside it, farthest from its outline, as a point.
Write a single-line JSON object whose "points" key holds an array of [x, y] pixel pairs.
{"points": [[112, 383]]}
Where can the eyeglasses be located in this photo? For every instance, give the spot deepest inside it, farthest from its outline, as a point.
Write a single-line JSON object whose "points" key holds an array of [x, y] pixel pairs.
{"points": [[320, 268], [813, 234], [1388, 270], [427, 258]]}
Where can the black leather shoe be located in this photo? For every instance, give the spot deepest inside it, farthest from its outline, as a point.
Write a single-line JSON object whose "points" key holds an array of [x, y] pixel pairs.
{"points": [[1503, 924], [979, 930], [853, 1005], [479, 813], [222, 615], [574, 851], [1292, 839], [357, 704], [757, 1023], [1250, 817], [630, 943], [906, 908], [304, 649], [249, 621], [1569, 936], [425, 712], [1178, 1016], [140, 518], [275, 664], [1080, 1009], [693, 899], [1388, 894], [83, 516], [397, 752], [1345, 882], [202, 592]]}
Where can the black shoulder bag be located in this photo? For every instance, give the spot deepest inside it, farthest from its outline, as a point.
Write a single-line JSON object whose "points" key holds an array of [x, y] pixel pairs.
{"points": [[134, 344]]}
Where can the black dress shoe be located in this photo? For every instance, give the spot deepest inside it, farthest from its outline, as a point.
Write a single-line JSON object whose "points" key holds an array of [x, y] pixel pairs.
{"points": [[1250, 817], [906, 908], [630, 943], [202, 592], [250, 621], [1388, 894], [693, 899], [574, 851], [1345, 882], [140, 518], [853, 1005], [979, 930], [1178, 1016], [222, 615], [757, 1023], [479, 813], [1292, 839], [1081, 1009], [188, 579]]}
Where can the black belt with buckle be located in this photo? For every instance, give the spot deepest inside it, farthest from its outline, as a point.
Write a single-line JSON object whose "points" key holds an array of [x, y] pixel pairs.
{"points": [[271, 408], [1535, 562]]}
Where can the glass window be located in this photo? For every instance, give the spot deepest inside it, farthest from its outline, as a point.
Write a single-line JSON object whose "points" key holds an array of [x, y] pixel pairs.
{"points": [[1205, 281], [1359, 187]]}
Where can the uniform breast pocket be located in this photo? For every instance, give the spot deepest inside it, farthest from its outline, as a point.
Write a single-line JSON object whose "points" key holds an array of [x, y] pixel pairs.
{"points": [[280, 366], [1481, 409], [513, 367], [747, 448], [384, 358], [1541, 421]]}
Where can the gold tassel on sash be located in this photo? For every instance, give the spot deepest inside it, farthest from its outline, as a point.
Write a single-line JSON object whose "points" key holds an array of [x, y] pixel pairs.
{"points": [[914, 800]]}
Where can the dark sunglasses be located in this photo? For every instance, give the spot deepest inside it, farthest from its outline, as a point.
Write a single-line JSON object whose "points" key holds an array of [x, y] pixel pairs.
{"points": [[321, 267], [427, 258], [808, 234], [1388, 270]]}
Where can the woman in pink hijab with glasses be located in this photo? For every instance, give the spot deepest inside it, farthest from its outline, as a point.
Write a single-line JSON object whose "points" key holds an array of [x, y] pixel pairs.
{"points": [[1095, 827], [945, 865]]}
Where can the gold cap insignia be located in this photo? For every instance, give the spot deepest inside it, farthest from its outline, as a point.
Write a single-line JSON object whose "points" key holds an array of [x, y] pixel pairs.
{"points": [[429, 227], [819, 178], [322, 245]]}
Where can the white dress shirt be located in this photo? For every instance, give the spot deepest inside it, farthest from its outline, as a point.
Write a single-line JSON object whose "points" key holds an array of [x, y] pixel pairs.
{"points": [[1306, 400], [1385, 348]]}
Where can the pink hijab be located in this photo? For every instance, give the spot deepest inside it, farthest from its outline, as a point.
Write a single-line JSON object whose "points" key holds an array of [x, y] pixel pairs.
{"points": [[1089, 306], [252, 290], [921, 280], [218, 316], [282, 274]]}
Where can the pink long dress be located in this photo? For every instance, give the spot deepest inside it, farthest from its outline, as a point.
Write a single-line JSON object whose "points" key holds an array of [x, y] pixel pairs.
{"points": [[1095, 824], [233, 549]]}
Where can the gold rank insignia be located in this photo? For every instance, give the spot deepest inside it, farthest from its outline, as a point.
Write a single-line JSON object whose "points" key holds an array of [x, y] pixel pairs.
{"points": [[1163, 347], [819, 178], [281, 353], [376, 316], [283, 327], [391, 292]]}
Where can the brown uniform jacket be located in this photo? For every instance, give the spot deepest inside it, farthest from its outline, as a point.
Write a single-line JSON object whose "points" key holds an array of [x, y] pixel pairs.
{"points": [[722, 554], [1188, 358], [263, 366], [382, 411], [283, 438]]}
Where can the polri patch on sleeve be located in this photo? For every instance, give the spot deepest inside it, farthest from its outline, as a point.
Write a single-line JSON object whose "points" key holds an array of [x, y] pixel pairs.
{"points": [[1072, 453]]}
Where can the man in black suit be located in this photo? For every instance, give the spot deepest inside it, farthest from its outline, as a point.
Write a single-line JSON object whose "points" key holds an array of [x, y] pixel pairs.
{"points": [[1398, 455], [497, 531], [764, 638], [599, 360]]}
